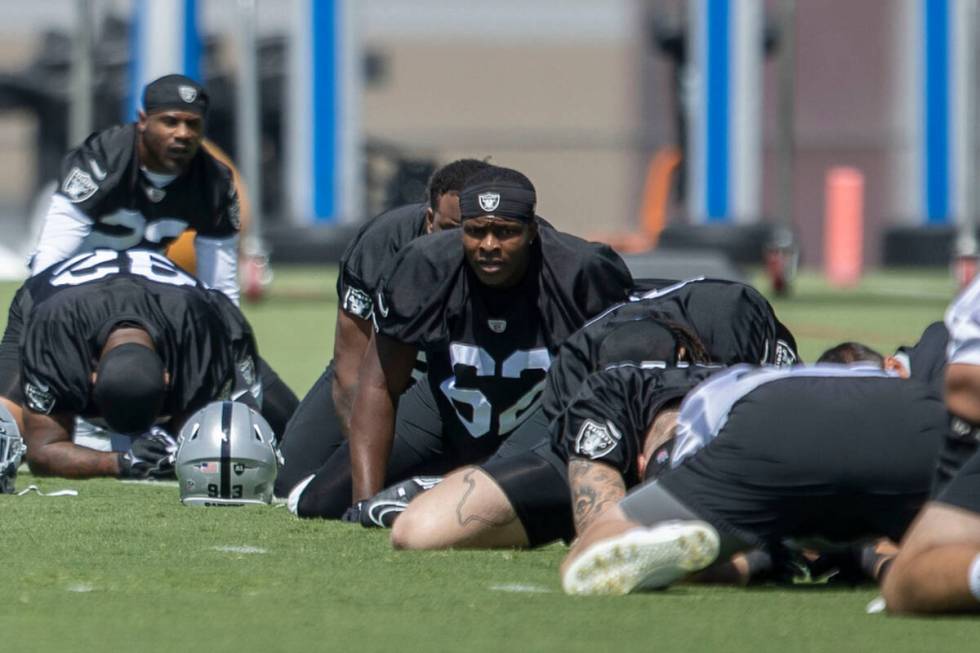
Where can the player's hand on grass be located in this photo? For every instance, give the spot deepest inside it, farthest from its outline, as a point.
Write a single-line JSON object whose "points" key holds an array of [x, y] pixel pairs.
{"points": [[150, 456]]}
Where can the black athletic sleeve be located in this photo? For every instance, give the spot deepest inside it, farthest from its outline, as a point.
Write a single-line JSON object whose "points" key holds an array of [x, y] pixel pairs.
{"points": [[420, 290], [610, 415], [375, 244], [91, 172]]}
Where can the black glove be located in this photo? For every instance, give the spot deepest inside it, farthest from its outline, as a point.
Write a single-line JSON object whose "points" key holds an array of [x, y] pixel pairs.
{"points": [[150, 456], [381, 510]]}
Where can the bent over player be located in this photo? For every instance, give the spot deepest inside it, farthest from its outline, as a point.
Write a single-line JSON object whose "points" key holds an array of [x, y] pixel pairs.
{"points": [[824, 453], [127, 341], [489, 305]]}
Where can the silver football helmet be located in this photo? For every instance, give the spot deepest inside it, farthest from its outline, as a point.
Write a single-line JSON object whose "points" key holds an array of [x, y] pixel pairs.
{"points": [[226, 456], [11, 451]]}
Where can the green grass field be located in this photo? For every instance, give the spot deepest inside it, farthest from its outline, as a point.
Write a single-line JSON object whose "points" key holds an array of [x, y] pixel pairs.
{"points": [[126, 567]]}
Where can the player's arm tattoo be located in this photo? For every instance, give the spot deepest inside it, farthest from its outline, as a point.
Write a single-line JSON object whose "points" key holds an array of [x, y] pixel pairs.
{"points": [[595, 487], [469, 514]]}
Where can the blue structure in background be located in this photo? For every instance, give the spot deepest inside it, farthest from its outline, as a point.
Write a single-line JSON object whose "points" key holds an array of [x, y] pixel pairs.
{"points": [[936, 89], [164, 39]]}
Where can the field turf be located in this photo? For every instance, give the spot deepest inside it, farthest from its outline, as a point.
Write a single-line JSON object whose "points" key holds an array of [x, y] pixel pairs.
{"points": [[124, 567]]}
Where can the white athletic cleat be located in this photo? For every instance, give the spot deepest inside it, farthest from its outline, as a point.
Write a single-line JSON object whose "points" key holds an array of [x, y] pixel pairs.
{"points": [[643, 559]]}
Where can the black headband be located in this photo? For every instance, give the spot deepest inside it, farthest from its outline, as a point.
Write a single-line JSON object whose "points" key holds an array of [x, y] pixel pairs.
{"points": [[175, 92], [500, 199]]}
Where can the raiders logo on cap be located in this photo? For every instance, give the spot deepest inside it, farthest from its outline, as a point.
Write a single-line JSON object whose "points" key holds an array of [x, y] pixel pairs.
{"points": [[489, 201], [187, 93]]}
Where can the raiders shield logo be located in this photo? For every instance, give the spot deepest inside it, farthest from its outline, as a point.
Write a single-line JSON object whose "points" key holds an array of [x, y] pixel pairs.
{"points": [[784, 354], [497, 326], [357, 303], [154, 194], [595, 440], [39, 397], [78, 185], [489, 201], [187, 93], [246, 367]]}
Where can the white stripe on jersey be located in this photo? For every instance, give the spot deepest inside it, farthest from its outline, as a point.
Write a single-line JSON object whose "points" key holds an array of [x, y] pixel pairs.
{"points": [[963, 323], [705, 410]]}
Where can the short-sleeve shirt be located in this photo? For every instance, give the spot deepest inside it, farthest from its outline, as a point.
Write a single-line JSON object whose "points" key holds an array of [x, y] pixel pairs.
{"points": [[102, 178], [374, 245], [612, 411], [69, 310], [489, 349]]}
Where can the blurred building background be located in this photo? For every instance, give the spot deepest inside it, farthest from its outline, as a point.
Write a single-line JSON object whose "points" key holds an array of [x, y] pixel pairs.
{"points": [[578, 94]]}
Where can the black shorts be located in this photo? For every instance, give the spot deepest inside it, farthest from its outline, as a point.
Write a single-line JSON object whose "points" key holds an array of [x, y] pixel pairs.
{"points": [[311, 436], [830, 459], [535, 481]]}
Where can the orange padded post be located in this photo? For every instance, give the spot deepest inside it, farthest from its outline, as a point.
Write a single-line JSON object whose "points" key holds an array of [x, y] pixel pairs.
{"points": [[844, 226]]}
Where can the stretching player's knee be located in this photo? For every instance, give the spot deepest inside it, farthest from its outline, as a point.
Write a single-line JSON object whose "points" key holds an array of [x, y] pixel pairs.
{"points": [[415, 529]]}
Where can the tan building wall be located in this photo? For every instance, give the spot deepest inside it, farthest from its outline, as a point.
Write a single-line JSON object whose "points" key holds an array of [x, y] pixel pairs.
{"points": [[565, 115]]}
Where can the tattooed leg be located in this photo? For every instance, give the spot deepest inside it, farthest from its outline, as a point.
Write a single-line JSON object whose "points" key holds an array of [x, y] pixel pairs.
{"points": [[467, 510]]}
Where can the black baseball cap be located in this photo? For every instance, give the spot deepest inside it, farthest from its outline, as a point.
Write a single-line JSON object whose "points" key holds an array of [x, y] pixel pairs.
{"points": [[175, 92], [129, 388]]}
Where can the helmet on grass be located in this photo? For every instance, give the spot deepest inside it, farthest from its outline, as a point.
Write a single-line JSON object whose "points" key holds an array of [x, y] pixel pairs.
{"points": [[226, 456], [11, 451]]}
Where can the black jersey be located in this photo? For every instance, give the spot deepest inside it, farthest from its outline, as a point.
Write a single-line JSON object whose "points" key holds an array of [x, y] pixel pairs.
{"points": [[69, 310], [734, 322], [374, 245], [103, 179], [488, 350], [610, 415]]}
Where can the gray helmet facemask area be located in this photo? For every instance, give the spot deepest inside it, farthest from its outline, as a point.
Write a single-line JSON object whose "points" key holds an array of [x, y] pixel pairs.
{"points": [[226, 456], [11, 451]]}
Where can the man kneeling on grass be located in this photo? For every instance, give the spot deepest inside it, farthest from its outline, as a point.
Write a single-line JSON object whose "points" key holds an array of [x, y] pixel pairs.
{"points": [[814, 454]]}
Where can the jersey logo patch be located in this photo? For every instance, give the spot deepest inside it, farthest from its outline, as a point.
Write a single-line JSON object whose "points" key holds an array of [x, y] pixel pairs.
{"points": [[489, 201], [595, 440], [154, 194], [39, 397], [357, 303], [78, 185], [497, 326], [187, 93], [784, 354]]}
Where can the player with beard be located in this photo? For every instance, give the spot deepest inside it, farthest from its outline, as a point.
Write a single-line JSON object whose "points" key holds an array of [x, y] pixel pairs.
{"points": [[811, 454], [937, 569], [128, 341], [489, 306], [141, 185], [322, 420], [519, 497]]}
